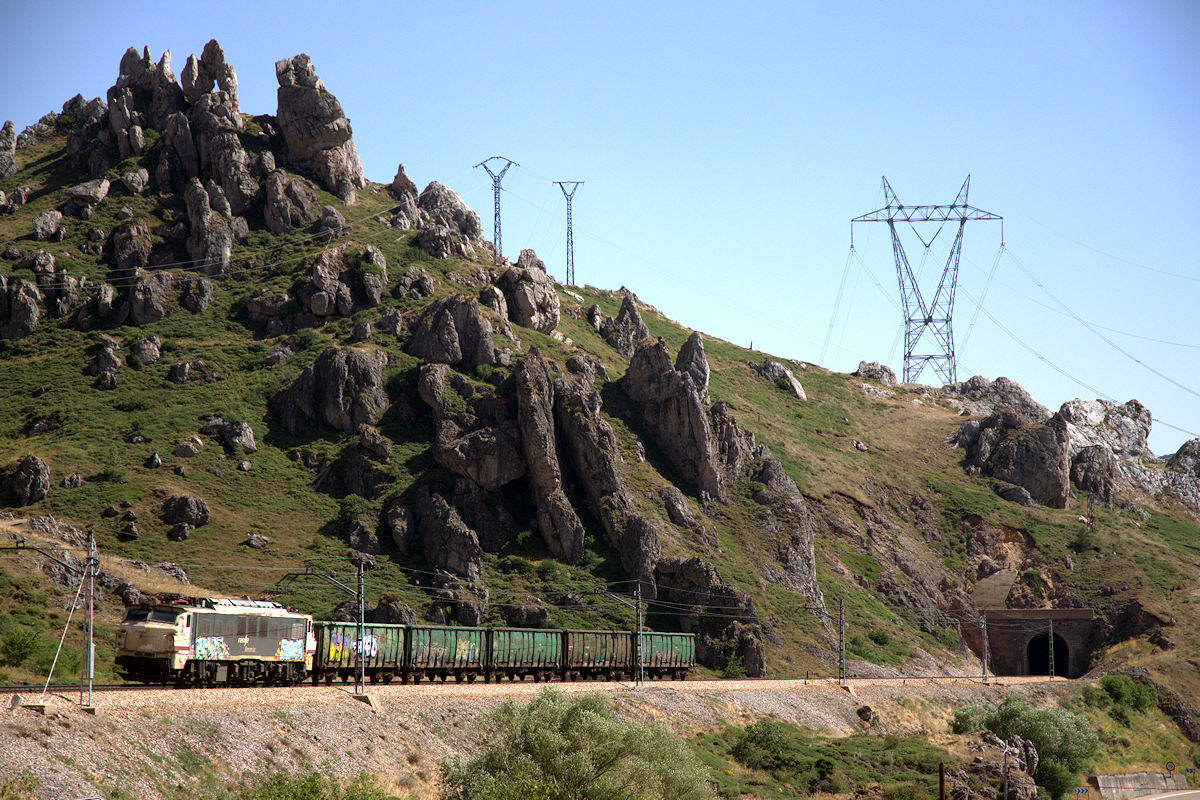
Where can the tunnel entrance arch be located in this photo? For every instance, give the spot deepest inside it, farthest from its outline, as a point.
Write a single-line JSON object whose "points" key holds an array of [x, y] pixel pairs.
{"points": [[1019, 640], [1037, 655]]}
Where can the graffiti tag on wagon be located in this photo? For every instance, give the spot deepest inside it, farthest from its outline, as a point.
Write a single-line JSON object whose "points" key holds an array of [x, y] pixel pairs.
{"points": [[211, 647], [466, 651], [345, 646], [290, 650]]}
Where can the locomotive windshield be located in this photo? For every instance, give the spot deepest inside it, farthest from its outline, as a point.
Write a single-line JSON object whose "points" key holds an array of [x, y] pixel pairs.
{"points": [[151, 615]]}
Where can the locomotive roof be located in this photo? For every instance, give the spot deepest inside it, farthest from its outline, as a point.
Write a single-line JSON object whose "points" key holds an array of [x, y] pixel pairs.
{"points": [[223, 605]]}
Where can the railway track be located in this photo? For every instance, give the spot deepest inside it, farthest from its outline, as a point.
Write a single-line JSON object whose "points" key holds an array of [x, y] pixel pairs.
{"points": [[723, 683]]}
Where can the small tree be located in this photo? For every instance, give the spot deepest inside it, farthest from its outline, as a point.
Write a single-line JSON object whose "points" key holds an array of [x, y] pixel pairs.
{"points": [[574, 748], [1063, 740]]}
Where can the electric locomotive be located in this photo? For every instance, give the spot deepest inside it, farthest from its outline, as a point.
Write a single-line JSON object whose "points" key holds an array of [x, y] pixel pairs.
{"points": [[206, 641]]}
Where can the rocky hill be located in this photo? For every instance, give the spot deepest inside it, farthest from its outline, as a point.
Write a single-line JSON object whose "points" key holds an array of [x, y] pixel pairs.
{"points": [[232, 355]]}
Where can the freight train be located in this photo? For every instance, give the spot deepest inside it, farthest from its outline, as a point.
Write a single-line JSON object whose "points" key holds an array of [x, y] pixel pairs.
{"points": [[207, 642]]}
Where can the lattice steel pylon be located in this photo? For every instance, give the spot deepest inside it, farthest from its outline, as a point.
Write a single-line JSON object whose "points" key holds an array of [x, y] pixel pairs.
{"points": [[570, 232], [935, 318], [496, 178]]}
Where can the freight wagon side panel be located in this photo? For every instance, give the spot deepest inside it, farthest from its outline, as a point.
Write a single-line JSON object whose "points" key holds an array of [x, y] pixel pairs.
{"points": [[231, 637], [599, 649], [382, 646], [526, 647], [668, 649], [435, 647]]}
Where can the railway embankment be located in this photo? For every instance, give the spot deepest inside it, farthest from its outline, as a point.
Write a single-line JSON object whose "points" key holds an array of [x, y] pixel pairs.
{"points": [[157, 742]]}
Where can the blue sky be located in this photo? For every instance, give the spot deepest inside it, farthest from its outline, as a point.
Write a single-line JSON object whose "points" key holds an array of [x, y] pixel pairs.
{"points": [[725, 150]]}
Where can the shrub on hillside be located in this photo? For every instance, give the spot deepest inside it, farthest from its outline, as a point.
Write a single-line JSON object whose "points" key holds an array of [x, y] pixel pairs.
{"points": [[574, 748], [1063, 740]]}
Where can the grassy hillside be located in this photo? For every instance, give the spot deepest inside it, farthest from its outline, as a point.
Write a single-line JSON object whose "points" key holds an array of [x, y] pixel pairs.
{"points": [[891, 514]]}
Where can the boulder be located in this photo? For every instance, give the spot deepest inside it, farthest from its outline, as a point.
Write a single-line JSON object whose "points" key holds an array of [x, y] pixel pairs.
{"points": [[407, 214], [559, 524], [148, 297], [1122, 429], [447, 543], [982, 397], [8, 150], [442, 206], [289, 203], [317, 134], [874, 371], [781, 376], [414, 284], [627, 330], [342, 389], [180, 532], [330, 224], [29, 481], [486, 456], [135, 181], [196, 294], [671, 408], [46, 225], [531, 299], [210, 243], [131, 247], [1094, 470], [89, 192], [145, 352], [457, 600], [453, 331], [186, 509], [257, 541], [19, 309], [1033, 457], [442, 242]]}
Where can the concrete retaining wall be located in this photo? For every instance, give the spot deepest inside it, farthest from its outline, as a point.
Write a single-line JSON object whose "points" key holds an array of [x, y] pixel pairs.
{"points": [[1136, 784]]}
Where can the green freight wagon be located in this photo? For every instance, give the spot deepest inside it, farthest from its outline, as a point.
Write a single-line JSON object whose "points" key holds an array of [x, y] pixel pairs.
{"points": [[520, 652], [439, 651], [598, 654], [666, 654], [340, 653]]}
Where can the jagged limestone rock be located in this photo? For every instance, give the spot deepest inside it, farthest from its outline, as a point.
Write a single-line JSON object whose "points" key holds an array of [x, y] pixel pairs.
{"points": [[874, 371], [342, 389], [671, 407], [559, 524], [453, 331], [317, 133], [781, 376], [531, 300], [8, 150], [627, 330]]}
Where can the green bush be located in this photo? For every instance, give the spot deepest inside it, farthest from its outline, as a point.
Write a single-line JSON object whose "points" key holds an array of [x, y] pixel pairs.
{"points": [[1118, 687], [574, 748], [764, 745], [733, 668], [19, 645], [880, 638], [1095, 696], [312, 786], [966, 718], [1063, 740], [353, 507]]}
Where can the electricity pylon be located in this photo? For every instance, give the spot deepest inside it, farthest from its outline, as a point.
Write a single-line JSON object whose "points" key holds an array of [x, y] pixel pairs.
{"points": [[937, 317], [570, 234], [496, 178]]}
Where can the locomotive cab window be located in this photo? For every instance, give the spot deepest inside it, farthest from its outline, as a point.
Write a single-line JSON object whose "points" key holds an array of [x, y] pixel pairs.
{"points": [[151, 615]]}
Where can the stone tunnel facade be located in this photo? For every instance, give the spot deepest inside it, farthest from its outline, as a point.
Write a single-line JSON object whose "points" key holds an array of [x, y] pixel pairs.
{"points": [[1020, 641]]}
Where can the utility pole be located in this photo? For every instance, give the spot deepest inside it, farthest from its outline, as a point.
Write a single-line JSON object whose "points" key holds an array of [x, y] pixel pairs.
{"points": [[496, 178], [570, 234], [920, 317], [983, 624], [1051, 643], [842, 647], [88, 671], [641, 663], [362, 642]]}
